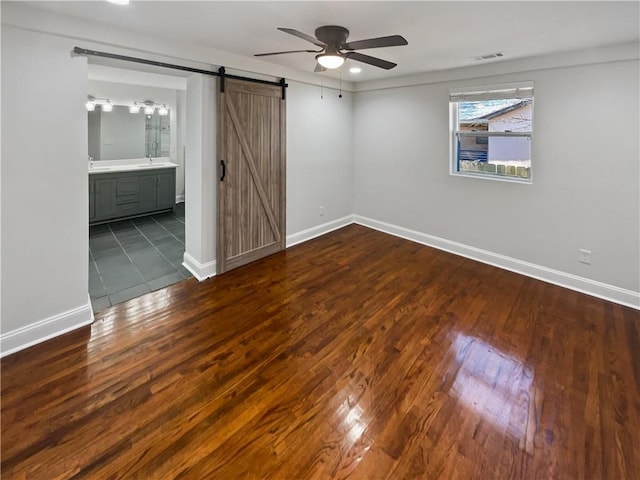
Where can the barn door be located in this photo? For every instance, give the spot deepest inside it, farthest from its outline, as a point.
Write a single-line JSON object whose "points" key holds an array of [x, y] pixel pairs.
{"points": [[251, 187]]}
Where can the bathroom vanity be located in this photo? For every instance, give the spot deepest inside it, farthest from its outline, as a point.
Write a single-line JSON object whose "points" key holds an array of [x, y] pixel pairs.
{"points": [[123, 188]]}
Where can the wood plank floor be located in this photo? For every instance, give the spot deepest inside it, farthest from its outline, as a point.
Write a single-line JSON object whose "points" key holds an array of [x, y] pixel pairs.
{"points": [[354, 355]]}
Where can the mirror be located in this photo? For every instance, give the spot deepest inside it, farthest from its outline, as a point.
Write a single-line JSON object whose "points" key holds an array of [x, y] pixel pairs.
{"points": [[120, 135]]}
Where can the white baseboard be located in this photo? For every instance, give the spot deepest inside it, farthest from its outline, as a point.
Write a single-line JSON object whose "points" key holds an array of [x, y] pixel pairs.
{"points": [[594, 288], [316, 231], [46, 329], [179, 198], [201, 271]]}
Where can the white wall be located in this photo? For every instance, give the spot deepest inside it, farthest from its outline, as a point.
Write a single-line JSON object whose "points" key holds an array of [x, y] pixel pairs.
{"points": [[44, 188], [585, 191], [319, 151], [200, 175]]}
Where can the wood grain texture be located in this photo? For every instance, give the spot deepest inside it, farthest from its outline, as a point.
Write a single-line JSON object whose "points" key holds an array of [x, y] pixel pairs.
{"points": [[354, 355], [251, 200]]}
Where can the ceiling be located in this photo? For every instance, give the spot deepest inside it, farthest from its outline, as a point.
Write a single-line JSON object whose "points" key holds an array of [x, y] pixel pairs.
{"points": [[441, 35]]}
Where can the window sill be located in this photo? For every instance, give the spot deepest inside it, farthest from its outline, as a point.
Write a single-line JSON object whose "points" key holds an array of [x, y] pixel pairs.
{"points": [[498, 178]]}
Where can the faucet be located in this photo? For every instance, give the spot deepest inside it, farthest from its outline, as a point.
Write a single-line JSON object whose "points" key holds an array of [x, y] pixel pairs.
{"points": [[150, 160]]}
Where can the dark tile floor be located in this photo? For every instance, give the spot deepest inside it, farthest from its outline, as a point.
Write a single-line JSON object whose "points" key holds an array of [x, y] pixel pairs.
{"points": [[129, 258]]}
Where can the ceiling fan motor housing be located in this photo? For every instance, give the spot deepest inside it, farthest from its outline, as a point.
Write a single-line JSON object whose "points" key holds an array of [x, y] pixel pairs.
{"points": [[332, 35]]}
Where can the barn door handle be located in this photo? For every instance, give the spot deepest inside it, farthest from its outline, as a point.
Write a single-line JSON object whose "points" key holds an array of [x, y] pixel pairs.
{"points": [[224, 170]]}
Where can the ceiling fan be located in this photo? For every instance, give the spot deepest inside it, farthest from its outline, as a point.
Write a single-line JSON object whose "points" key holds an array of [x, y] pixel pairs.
{"points": [[333, 40]]}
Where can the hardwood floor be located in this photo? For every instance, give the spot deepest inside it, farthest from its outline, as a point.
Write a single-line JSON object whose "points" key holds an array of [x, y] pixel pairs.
{"points": [[354, 355]]}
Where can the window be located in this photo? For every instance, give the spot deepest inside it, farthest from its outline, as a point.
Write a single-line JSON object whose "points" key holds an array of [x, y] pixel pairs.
{"points": [[491, 129]]}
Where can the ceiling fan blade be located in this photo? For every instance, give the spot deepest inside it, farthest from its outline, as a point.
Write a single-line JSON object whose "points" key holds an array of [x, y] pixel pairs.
{"points": [[319, 68], [303, 36], [376, 62], [287, 51], [390, 41]]}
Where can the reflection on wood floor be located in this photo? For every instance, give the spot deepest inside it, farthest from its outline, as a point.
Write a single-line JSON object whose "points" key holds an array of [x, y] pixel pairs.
{"points": [[354, 355]]}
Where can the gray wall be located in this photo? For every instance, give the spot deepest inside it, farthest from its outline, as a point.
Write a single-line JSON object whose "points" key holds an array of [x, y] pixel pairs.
{"points": [[44, 187], [585, 191]]}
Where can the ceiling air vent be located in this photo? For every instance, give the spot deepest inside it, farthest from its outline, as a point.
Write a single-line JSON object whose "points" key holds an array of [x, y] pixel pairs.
{"points": [[489, 56]]}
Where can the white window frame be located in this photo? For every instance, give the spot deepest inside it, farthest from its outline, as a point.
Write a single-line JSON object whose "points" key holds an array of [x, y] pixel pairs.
{"points": [[488, 92]]}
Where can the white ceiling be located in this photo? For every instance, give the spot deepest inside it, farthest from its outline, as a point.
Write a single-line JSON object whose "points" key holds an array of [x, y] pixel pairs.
{"points": [[441, 35]]}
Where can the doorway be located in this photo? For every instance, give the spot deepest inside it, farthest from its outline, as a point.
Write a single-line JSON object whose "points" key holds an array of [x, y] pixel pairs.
{"points": [[136, 245]]}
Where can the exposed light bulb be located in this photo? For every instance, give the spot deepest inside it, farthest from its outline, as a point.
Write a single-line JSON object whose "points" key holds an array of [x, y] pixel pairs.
{"points": [[330, 60], [134, 109], [91, 106], [163, 110], [149, 109], [106, 107]]}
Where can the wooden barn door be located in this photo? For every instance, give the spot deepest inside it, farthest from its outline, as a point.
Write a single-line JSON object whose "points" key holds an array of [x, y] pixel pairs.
{"points": [[251, 167]]}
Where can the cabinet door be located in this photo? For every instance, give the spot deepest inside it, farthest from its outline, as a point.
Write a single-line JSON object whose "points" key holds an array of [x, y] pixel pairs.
{"points": [[105, 198], [92, 200], [166, 188], [147, 193]]}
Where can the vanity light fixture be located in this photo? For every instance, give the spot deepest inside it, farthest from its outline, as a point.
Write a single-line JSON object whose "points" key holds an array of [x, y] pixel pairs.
{"points": [[104, 104], [135, 108], [330, 59], [149, 109], [163, 110]]}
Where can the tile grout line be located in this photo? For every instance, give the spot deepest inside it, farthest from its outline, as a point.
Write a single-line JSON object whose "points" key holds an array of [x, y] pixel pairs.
{"points": [[144, 282], [167, 230], [157, 249]]}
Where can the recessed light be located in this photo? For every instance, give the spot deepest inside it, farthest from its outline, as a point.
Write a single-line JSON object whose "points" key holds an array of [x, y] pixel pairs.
{"points": [[355, 70], [119, 2]]}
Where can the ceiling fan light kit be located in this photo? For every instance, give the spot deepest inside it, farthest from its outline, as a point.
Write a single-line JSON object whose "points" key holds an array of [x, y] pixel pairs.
{"points": [[333, 41], [330, 60]]}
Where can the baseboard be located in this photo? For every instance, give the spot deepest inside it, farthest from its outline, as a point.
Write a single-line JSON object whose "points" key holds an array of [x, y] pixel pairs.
{"points": [[46, 329], [594, 288], [316, 231], [179, 198], [201, 271]]}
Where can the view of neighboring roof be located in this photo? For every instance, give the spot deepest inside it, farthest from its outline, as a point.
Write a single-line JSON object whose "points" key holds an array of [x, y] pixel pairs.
{"points": [[488, 109]]}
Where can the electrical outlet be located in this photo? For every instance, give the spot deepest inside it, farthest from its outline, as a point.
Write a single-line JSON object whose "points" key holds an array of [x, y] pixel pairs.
{"points": [[584, 256], [322, 210]]}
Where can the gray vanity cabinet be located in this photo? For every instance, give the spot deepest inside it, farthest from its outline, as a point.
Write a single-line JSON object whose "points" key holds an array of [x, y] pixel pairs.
{"points": [[92, 200], [114, 196], [148, 189], [105, 198], [166, 190]]}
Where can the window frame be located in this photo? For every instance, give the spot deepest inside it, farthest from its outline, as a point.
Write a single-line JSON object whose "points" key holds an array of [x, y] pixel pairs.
{"points": [[488, 92]]}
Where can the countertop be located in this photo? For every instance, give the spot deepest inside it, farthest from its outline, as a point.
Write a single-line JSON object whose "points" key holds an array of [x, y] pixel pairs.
{"points": [[132, 165]]}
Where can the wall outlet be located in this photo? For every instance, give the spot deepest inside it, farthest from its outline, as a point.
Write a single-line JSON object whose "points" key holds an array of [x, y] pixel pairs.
{"points": [[322, 210], [584, 256]]}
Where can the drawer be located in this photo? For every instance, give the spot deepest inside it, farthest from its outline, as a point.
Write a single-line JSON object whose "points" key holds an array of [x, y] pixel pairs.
{"points": [[123, 199], [127, 185], [127, 209]]}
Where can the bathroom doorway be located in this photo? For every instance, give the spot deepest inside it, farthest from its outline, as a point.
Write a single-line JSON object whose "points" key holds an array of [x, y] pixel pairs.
{"points": [[137, 246]]}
